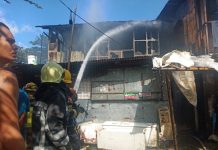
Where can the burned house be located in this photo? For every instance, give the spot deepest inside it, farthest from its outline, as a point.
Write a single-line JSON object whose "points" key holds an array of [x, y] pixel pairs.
{"points": [[195, 31], [120, 39], [120, 89], [118, 85]]}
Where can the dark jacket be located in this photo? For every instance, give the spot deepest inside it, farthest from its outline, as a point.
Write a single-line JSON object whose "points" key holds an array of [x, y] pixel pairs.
{"points": [[49, 117]]}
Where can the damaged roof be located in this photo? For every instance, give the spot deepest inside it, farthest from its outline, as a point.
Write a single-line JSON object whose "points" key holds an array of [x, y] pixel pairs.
{"points": [[154, 24], [31, 73], [173, 10]]}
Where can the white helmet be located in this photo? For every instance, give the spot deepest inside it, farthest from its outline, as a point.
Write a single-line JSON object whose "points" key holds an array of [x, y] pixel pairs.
{"points": [[52, 72]]}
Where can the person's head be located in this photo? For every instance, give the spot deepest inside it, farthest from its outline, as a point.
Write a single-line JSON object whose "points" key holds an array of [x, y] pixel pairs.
{"points": [[52, 72], [67, 77], [7, 45], [31, 89]]}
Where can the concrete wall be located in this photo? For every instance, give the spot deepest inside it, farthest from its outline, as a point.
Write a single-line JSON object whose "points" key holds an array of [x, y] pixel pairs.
{"points": [[133, 79], [138, 111]]}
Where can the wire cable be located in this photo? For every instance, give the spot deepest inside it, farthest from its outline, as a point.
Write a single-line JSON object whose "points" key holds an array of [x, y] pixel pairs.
{"points": [[33, 3], [7, 1]]}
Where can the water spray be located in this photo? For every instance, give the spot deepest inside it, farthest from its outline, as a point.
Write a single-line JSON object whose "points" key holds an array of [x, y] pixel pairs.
{"points": [[111, 32]]}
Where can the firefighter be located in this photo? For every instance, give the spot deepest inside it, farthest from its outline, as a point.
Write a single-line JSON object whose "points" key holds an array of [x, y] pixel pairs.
{"points": [[30, 88], [49, 110], [72, 109]]}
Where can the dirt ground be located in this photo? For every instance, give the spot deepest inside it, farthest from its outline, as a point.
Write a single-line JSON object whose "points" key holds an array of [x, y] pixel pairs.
{"points": [[185, 142], [189, 142]]}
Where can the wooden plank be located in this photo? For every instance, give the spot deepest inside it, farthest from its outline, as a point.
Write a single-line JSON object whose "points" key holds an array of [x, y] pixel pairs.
{"points": [[170, 103], [186, 69], [165, 123]]}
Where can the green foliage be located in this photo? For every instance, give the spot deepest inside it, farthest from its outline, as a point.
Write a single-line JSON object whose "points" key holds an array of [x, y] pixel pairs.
{"points": [[39, 48], [40, 41], [21, 55]]}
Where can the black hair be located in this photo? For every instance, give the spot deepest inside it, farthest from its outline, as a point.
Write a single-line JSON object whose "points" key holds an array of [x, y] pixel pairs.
{"points": [[4, 25]]}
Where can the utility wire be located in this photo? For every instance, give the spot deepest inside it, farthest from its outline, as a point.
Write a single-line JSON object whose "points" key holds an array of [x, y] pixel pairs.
{"points": [[29, 1], [7, 1], [33, 3], [87, 21]]}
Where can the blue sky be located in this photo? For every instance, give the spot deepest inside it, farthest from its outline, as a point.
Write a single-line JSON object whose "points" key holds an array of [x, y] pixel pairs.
{"points": [[23, 17]]}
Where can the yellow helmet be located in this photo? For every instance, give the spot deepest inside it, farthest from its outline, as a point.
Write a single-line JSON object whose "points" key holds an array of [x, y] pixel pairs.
{"points": [[52, 72], [67, 76], [31, 87]]}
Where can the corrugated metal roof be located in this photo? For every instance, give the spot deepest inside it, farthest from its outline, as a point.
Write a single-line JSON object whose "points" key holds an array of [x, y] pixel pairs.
{"points": [[153, 24], [132, 60], [29, 72], [121, 60], [79, 24]]}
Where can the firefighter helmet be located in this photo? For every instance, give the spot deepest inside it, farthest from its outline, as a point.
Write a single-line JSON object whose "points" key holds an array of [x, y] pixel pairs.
{"points": [[32, 87], [67, 76], [52, 72]]}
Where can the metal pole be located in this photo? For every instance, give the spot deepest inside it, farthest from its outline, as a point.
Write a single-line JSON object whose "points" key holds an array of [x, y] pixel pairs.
{"points": [[71, 37], [41, 49], [170, 103]]}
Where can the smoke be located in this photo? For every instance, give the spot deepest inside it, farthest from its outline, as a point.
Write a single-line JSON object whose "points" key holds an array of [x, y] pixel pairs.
{"points": [[95, 11]]}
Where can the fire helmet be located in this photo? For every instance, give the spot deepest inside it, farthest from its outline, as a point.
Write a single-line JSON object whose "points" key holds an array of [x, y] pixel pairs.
{"points": [[32, 87], [67, 76], [52, 72]]}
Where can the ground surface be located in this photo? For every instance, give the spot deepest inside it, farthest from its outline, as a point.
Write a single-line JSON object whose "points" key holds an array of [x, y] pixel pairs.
{"points": [[185, 142]]}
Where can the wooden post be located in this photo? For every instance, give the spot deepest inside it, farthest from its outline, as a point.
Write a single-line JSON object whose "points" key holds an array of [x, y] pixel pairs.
{"points": [[170, 103], [196, 119], [206, 26]]}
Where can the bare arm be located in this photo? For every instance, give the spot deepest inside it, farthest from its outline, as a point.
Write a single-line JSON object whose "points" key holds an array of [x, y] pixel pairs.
{"points": [[9, 127]]}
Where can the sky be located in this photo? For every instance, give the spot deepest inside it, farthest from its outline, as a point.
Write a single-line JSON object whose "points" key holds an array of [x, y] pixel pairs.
{"points": [[22, 17]]}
